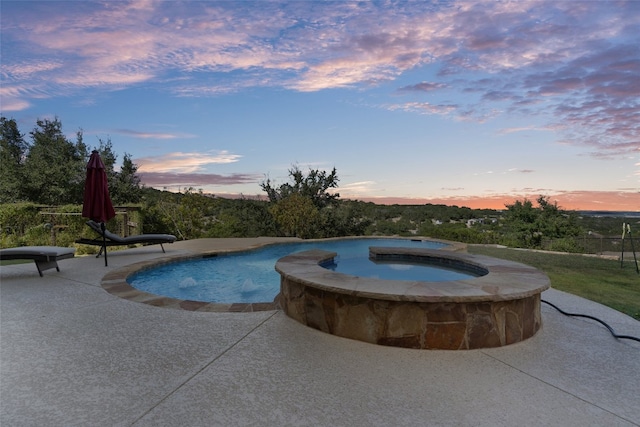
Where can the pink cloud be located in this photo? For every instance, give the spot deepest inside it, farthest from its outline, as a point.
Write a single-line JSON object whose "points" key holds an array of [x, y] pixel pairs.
{"points": [[13, 104], [160, 179], [179, 162]]}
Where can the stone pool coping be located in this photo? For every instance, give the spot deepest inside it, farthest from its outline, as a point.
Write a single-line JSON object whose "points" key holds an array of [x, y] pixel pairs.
{"points": [[115, 282], [504, 280]]}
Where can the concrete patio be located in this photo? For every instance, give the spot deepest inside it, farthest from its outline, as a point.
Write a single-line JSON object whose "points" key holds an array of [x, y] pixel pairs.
{"points": [[72, 354]]}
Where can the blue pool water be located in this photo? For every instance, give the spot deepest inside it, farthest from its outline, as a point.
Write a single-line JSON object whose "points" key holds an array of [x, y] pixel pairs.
{"points": [[248, 277]]}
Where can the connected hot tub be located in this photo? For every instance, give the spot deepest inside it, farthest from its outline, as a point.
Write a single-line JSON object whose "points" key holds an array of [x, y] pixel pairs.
{"points": [[500, 306]]}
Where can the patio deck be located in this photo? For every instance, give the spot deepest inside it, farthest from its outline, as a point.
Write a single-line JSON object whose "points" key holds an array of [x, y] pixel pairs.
{"points": [[73, 354]]}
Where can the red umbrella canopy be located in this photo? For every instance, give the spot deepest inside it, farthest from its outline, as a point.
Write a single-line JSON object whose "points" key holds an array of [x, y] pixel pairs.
{"points": [[97, 203]]}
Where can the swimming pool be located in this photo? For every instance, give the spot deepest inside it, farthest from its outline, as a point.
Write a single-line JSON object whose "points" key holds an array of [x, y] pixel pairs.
{"points": [[250, 277]]}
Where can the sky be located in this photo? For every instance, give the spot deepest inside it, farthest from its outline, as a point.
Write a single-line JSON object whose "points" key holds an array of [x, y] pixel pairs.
{"points": [[467, 103]]}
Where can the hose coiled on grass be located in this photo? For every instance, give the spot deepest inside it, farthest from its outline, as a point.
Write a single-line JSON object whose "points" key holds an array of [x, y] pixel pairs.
{"points": [[620, 337]]}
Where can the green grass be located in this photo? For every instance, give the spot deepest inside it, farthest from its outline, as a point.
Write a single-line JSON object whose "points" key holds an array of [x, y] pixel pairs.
{"points": [[597, 279], [14, 261]]}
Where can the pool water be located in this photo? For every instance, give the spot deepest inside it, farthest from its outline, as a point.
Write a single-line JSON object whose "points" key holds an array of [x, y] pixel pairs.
{"points": [[250, 277]]}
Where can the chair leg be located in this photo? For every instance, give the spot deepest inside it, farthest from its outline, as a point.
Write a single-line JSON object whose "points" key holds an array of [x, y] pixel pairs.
{"points": [[45, 265]]}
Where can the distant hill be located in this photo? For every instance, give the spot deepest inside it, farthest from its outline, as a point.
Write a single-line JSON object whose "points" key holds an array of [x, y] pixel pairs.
{"points": [[611, 214]]}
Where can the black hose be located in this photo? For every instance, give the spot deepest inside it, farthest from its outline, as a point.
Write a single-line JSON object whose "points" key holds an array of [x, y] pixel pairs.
{"points": [[620, 337]]}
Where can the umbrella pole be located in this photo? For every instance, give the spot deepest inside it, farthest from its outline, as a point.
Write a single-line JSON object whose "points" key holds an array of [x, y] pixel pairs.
{"points": [[103, 227]]}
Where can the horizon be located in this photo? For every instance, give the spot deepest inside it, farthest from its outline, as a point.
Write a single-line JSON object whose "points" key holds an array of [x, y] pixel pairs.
{"points": [[474, 104], [478, 204]]}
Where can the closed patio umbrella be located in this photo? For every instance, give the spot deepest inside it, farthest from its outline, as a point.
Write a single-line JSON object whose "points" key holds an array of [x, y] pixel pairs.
{"points": [[97, 203]]}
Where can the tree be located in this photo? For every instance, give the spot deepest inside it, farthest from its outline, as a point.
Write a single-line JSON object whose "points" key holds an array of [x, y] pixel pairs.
{"points": [[345, 218], [305, 207], [242, 218], [529, 225], [108, 157], [13, 149], [126, 184], [314, 186], [54, 166], [297, 216]]}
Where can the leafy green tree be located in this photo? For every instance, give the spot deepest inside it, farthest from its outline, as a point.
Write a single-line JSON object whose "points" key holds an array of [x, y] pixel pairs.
{"points": [[314, 208], [528, 225], [242, 218], [345, 218], [125, 186], [154, 217], [13, 149], [555, 222], [192, 214], [108, 157], [297, 216], [186, 212], [314, 185], [55, 168]]}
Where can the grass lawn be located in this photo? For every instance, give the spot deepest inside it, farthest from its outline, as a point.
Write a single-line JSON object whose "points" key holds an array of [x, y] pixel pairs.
{"points": [[597, 279], [14, 261]]}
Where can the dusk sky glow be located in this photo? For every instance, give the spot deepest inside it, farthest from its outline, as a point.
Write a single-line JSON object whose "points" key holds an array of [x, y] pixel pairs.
{"points": [[467, 103]]}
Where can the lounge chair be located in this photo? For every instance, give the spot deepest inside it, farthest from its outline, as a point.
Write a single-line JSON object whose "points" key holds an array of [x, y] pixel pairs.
{"points": [[112, 239], [45, 257]]}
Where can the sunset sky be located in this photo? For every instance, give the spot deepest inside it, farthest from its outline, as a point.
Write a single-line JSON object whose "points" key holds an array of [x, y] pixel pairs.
{"points": [[468, 103]]}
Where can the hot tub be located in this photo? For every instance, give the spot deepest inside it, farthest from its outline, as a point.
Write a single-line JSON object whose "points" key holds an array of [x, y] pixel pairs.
{"points": [[499, 307]]}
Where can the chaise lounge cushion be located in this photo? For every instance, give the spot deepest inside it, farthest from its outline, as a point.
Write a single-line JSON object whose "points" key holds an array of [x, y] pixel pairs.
{"points": [[139, 238], [112, 239], [45, 257]]}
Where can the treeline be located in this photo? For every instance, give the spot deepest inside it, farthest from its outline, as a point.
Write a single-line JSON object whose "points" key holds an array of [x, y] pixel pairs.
{"points": [[193, 214], [46, 174], [50, 169]]}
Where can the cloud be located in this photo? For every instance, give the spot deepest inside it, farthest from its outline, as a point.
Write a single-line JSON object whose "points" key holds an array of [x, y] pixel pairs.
{"points": [[13, 104], [422, 87], [574, 64], [356, 189], [165, 179], [424, 108], [506, 131], [183, 163], [152, 135]]}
